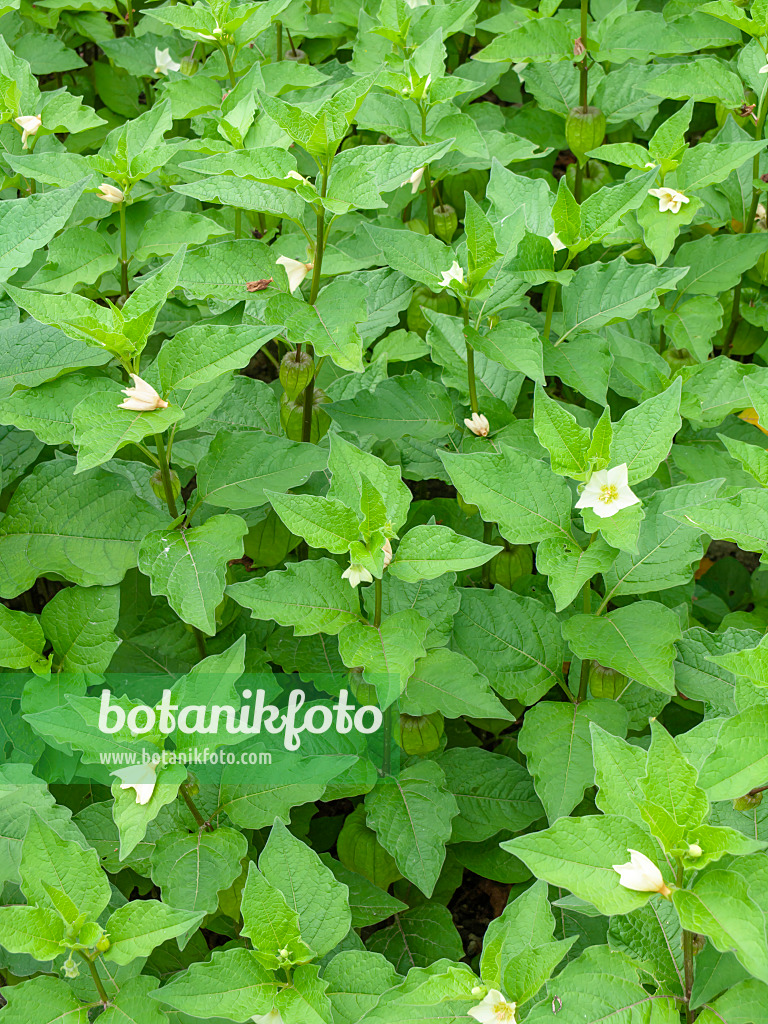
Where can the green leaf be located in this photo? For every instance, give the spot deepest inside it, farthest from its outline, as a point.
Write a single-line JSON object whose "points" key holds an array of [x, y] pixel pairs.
{"points": [[193, 868], [309, 888], [566, 441], [44, 999], [203, 352], [27, 225], [101, 428], [643, 436], [429, 551], [80, 623], [311, 596], [322, 522], [448, 682], [270, 924], [636, 640], [515, 639], [716, 262], [411, 815], [407, 406], [188, 566], [387, 653], [739, 761], [523, 496], [418, 938], [240, 468], [137, 927], [350, 465], [232, 984], [130, 1005], [87, 528], [356, 979], [21, 639], [556, 741], [493, 793], [740, 519], [422, 258], [568, 567], [513, 344], [32, 353], [578, 854], [369, 904], [36, 931]]}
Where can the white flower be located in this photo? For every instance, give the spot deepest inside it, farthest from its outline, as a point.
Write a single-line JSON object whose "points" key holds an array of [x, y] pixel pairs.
{"points": [[140, 777], [357, 574], [415, 180], [478, 424], [455, 273], [608, 492], [273, 1017], [694, 850], [296, 176], [110, 193], [494, 1009], [641, 874], [761, 216], [164, 62], [296, 271], [557, 245], [417, 3], [669, 199], [142, 397], [217, 32], [29, 123], [386, 547], [649, 165], [763, 70]]}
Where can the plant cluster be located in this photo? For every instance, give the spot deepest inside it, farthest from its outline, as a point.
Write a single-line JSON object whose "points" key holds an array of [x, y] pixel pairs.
{"points": [[413, 350]]}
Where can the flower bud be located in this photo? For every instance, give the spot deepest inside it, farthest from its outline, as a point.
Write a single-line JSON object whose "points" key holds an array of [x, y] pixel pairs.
{"points": [[584, 130], [110, 193], [677, 358], [296, 371], [747, 802], [103, 944], [292, 416], [510, 564], [420, 734], [694, 851], [606, 682], [188, 65], [478, 424], [70, 968], [641, 875], [359, 850], [156, 483], [444, 302], [446, 223]]}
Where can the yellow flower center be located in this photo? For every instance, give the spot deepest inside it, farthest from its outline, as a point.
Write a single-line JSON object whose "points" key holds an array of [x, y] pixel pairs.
{"points": [[504, 1011], [608, 493]]}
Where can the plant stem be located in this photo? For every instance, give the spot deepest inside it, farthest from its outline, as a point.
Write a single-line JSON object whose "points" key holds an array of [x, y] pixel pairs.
{"points": [[192, 808], [377, 588], [230, 67], [129, 16], [165, 474], [687, 954], [309, 391], [749, 226], [96, 979], [471, 382], [550, 309], [238, 223], [585, 665], [279, 36], [487, 534], [583, 95], [123, 254], [427, 176], [386, 763]]}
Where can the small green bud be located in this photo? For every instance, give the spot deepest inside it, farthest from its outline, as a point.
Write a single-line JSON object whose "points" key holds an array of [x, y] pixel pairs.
{"points": [[584, 130], [441, 303], [70, 968], [747, 802], [677, 358], [103, 944], [188, 65], [606, 682], [694, 851], [446, 222], [156, 483], [420, 734], [296, 371], [292, 416], [418, 226]]}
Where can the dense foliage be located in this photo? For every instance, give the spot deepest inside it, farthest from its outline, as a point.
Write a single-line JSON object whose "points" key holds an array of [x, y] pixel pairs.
{"points": [[415, 349]]}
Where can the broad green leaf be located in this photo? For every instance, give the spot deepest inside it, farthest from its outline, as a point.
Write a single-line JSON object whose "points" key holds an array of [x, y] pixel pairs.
{"points": [[101, 428], [44, 999], [201, 353], [32, 353], [636, 640], [741, 519], [448, 682], [515, 639], [407, 406], [36, 931], [80, 623], [270, 924], [429, 551], [188, 565], [356, 979], [418, 937], [330, 325], [716, 262], [422, 258], [311, 596], [386, 653], [411, 815], [350, 464], [87, 528], [193, 868], [568, 567], [232, 985], [513, 344], [28, 224], [556, 741], [322, 522], [523, 496], [619, 768], [566, 441], [21, 639], [643, 436], [739, 760], [137, 927]]}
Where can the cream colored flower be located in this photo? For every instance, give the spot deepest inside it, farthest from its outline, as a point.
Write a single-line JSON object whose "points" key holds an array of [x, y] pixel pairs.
{"points": [[761, 216], [454, 273], [142, 397], [140, 777], [494, 1009], [417, 3], [29, 123], [296, 271], [608, 492], [357, 574], [641, 874], [478, 424], [415, 180], [557, 245], [386, 547], [695, 851], [164, 62], [763, 70], [273, 1017], [669, 199], [110, 193], [297, 177]]}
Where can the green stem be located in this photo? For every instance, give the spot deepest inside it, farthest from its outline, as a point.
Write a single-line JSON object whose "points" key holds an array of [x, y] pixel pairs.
{"points": [[377, 589], [230, 67], [279, 36], [309, 391], [687, 954], [123, 254], [201, 822], [487, 534], [584, 680], [386, 764], [313, 6], [129, 15], [238, 223], [550, 309], [583, 95], [749, 226], [165, 474], [427, 176], [96, 980], [471, 382]]}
